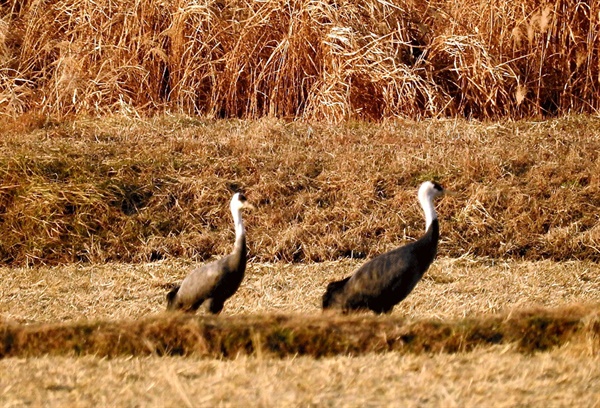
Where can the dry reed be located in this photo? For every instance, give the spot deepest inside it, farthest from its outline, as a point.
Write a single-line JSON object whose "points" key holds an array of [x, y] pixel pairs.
{"points": [[303, 58]]}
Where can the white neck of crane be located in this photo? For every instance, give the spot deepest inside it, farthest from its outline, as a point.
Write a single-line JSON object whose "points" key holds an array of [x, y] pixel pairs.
{"points": [[239, 225], [429, 210]]}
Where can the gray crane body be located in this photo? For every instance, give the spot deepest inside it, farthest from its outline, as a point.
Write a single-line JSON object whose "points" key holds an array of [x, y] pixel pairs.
{"points": [[387, 279], [216, 281]]}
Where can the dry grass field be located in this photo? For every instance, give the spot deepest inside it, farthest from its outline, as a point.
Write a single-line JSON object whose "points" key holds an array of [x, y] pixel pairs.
{"points": [[98, 219], [495, 377], [126, 125], [122, 189], [452, 291]]}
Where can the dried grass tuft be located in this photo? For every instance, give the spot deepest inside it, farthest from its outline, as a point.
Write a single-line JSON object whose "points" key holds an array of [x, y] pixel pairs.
{"points": [[281, 336]]}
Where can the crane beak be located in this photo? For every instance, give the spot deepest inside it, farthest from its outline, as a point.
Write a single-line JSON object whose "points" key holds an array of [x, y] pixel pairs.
{"points": [[248, 206], [450, 193]]}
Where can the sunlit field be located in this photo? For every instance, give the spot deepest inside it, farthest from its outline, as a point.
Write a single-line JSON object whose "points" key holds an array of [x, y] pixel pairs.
{"points": [[126, 126], [101, 218], [453, 290]]}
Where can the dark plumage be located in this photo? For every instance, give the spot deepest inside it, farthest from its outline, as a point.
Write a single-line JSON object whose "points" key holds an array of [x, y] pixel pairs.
{"points": [[219, 280], [387, 279]]}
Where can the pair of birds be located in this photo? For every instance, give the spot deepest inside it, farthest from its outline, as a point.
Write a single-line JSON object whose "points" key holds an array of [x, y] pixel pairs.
{"points": [[378, 285]]}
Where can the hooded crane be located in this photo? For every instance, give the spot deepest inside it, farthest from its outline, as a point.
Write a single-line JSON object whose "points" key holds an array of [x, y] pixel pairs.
{"points": [[387, 279], [218, 280]]}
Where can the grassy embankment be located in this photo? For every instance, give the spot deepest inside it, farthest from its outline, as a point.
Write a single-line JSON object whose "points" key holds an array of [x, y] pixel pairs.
{"points": [[132, 190]]}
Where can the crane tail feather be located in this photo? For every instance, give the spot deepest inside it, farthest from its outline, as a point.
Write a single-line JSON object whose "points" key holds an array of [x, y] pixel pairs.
{"points": [[333, 288], [171, 297]]}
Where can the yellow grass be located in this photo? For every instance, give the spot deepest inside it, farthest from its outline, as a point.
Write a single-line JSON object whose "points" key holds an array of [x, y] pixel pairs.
{"points": [[528, 192], [115, 309], [489, 377], [451, 289]]}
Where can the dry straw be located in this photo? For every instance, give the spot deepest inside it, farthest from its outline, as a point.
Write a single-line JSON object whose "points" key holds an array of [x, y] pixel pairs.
{"points": [[130, 190], [303, 58]]}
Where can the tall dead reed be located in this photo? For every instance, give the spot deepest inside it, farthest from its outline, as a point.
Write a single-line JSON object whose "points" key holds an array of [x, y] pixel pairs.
{"points": [[313, 59]]}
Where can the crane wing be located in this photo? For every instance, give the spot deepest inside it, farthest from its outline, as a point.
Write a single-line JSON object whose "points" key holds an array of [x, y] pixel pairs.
{"points": [[379, 273], [199, 284]]}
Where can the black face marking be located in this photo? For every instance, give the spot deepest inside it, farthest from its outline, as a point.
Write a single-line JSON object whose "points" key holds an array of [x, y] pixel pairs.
{"points": [[241, 197], [437, 186]]}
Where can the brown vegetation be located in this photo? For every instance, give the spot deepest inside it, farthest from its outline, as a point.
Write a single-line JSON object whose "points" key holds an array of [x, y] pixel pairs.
{"points": [[303, 58], [318, 336], [80, 193], [502, 308], [121, 189], [452, 289]]}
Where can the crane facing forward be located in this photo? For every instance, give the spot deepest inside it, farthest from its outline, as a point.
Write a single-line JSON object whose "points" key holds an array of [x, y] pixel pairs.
{"points": [[219, 280], [387, 279]]}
